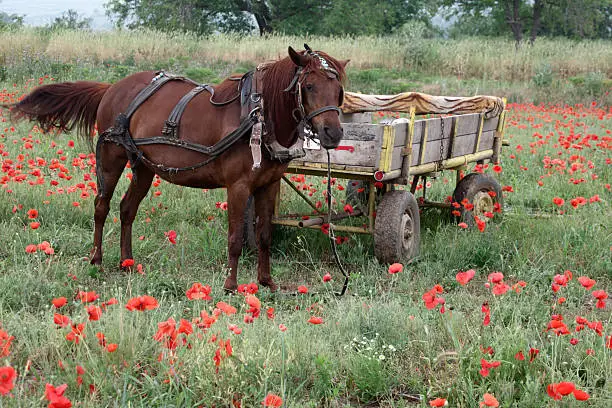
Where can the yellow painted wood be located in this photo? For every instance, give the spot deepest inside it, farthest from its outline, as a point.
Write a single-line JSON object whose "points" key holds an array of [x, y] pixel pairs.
{"points": [[386, 153], [477, 145], [424, 142]]}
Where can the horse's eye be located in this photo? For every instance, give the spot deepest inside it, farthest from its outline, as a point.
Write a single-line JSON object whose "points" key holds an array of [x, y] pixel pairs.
{"points": [[309, 87]]}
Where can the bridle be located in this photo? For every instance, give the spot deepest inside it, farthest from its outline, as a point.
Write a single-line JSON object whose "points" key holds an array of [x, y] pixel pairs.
{"points": [[295, 86]]}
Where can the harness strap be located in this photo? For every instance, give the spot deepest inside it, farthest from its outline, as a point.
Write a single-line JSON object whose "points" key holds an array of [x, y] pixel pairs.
{"points": [[215, 150], [170, 129], [321, 110], [146, 92]]}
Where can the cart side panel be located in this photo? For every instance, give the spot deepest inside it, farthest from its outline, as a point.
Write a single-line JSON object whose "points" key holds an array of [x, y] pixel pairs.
{"points": [[359, 147]]}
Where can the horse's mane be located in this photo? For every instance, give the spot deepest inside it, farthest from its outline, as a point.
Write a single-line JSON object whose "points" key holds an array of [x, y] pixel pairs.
{"points": [[277, 77]]}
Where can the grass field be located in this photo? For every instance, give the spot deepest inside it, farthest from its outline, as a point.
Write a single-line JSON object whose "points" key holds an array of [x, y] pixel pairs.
{"points": [[378, 346]]}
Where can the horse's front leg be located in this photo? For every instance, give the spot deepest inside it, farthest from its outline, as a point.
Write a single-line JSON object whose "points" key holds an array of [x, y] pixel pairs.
{"points": [[264, 208], [237, 196]]}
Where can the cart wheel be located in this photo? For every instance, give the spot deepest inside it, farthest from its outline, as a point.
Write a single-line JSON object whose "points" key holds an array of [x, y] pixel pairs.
{"points": [[358, 198], [250, 223], [478, 189], [397, 230]]}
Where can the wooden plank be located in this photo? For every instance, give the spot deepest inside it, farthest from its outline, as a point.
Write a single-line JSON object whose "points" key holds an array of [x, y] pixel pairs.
{"points": [[401, 133], [464, 144], [490, 124], [432, 151], [467, 124], [419, 128], [434, 128], [365, 153], [361, 131]]}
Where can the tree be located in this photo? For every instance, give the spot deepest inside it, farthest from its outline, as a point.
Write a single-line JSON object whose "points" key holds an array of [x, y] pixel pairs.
{"points": [[8, 21], [322, 17], [569, 18], [71, 20]]}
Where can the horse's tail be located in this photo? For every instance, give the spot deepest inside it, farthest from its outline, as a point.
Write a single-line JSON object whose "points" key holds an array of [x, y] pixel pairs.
{"points": [[63, 106]]}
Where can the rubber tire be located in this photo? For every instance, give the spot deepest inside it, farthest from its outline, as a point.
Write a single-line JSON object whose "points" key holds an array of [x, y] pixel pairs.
{"points": [[250, 226], [360, 199], [397, 211], [472, 186]]}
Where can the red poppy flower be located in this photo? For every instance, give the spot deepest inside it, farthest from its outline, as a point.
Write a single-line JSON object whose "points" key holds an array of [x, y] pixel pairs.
{"points": [[32, 213], [59, 302], [464, 277], [558, 201], [272, 400], [495, 277], [315, 320], [34, 225], [142, 303], [438, 402], [327, 277], [226, 308], [302, 289], [61, 320], [111, 347], [462, 225], [489, 401], [94, 312], [30, 249], [56, 397], [282, 327], [7, 379], [601, 297], [349, 209], [500, 288], [395, 268], [581, 395], [88, 297], [199, 292], [586, 282], [519, 356], [171, 235], [127, 263], [76, 333], [533, 353], [253, 302]]}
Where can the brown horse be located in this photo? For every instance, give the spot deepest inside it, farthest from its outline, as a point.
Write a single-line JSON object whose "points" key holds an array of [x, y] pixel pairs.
{"points": [[303, 89]]}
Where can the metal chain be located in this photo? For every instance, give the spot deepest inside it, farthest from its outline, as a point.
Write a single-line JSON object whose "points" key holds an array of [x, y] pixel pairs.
{"points": [[439, 164]]}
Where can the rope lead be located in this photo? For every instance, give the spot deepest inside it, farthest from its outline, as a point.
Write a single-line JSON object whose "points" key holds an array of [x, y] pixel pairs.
{"points": [[332, 237]]}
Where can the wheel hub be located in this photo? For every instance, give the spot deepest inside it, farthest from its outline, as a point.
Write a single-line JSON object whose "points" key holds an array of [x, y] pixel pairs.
{"points": [[483, 202], [407, 227]]}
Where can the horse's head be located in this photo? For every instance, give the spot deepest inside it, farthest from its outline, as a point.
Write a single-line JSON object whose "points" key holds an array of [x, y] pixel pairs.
{"points": [[317, 85]]}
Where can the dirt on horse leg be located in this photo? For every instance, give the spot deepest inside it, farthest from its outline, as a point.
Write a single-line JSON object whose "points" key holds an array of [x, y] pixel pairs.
{"points": [[111, 160], [264, 208], [139, 187], [237, 196]]}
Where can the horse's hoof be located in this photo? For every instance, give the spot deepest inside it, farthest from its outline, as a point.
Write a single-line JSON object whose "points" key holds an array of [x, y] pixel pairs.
{"points": [[230, 286], [270, 285], [96, 261]]}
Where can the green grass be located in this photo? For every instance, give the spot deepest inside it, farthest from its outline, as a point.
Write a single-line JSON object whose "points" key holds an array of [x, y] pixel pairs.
{"points": [[337, 363]]}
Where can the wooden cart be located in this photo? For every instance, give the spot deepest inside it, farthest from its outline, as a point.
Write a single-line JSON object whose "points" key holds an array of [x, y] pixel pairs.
{"points": [[403, 151]]}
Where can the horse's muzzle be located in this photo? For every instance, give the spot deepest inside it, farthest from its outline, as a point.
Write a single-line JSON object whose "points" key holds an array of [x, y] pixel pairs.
{"points": [[330, 137]]}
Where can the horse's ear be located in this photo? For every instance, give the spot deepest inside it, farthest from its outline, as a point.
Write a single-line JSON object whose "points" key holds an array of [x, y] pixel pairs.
{"points": [[343, 63], [298, 59]]}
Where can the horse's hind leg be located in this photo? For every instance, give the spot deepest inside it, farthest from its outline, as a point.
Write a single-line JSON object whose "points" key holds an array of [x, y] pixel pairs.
{"points": [[139, 187], [110, 162]]}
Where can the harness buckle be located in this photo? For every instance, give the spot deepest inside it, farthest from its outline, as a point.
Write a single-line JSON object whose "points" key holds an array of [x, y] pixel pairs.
{"points": [[255, 143]]}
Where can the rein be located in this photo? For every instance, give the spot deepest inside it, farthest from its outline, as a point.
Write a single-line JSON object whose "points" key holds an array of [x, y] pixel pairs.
{"points": [[332, 237]]}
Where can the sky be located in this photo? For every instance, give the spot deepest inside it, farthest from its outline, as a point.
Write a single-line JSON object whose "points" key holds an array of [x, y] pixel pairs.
{"points": [[41, 12]]}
